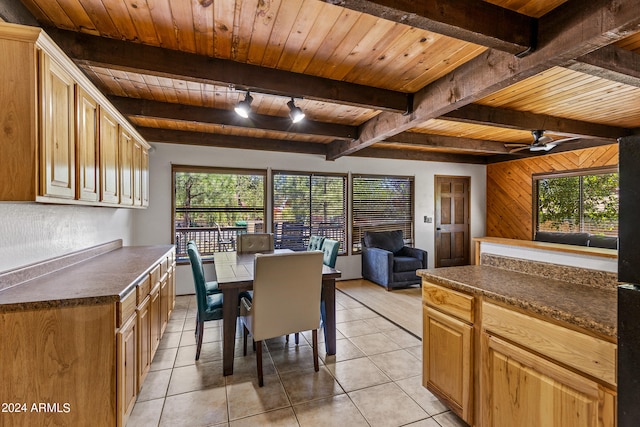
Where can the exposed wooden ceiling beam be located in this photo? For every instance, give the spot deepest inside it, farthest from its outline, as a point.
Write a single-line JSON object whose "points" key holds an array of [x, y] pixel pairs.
{"points": [[15, 12], [91, 50], [611, 63], [474, 21], [424, 156], [512, 119], [441, 141], [191, 113], [229, 141], [572, 30]]}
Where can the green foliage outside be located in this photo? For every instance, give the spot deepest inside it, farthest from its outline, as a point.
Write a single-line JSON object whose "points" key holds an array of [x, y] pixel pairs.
{"points": [[587, 203], [203, 199]]}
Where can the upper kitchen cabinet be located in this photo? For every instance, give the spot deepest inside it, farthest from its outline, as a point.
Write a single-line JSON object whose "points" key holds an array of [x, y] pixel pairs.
{"points": [[61, 139]]}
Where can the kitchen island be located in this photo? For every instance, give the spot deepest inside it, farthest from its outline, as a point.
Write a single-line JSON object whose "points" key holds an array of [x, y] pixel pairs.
{"points": [[78, 334], [519, 342]]}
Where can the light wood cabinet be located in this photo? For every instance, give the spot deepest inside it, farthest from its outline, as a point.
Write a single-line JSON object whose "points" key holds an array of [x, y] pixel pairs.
{"points": [[57, 127], [154, 317], [61, 136], [495, 365], [126, 167], [109, 160], [520, 388], [448, 348], [87, 155], [127, 361], [145, 355]]}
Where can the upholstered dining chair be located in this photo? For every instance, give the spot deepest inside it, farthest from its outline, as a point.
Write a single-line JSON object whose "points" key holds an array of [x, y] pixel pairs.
{"points": [[208, 272], [286, 300], [315, 243], [255, 242], [209, 305]]}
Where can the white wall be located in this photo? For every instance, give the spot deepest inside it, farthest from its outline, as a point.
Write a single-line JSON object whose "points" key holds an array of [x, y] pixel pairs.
{"points": [[32, 232], [153, 225]]}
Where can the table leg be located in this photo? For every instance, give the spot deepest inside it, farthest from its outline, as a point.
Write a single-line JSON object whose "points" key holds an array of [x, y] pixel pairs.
{"points": [[230, 318], [329, 299]]}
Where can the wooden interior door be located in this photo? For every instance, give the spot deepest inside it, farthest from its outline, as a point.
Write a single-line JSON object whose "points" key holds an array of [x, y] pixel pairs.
{"points": [[452, 221]]}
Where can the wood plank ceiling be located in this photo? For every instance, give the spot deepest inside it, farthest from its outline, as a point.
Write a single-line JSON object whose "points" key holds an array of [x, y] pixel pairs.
{"points": [[441, 80]]}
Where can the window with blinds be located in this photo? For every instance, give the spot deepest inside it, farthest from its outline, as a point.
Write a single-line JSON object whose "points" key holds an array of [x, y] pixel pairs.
{"points": [[382, 203], [306, 204]]}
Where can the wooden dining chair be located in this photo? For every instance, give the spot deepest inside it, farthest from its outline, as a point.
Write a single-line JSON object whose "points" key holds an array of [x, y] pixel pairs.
{"points": [[209, 304], [286, 300]]}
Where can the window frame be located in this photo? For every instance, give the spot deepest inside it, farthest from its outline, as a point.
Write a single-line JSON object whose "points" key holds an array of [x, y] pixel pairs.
{"points": [[412, 180], [310, 175], [536, 177], [212, 170]]}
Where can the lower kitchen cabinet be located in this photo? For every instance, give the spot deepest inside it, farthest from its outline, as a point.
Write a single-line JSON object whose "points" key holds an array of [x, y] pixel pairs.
{"points": [[127, 361], [495, 365], [448, 360], [522, 389]]}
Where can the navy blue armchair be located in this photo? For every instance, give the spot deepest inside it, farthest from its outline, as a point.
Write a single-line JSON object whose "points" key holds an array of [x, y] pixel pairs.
{"points": [[388, 262]]}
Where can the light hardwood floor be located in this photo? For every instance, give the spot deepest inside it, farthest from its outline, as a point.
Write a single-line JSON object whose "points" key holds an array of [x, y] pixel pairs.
{"points": [[402, 306]]}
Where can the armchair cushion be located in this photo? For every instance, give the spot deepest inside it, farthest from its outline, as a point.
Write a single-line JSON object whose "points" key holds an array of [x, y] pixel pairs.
{"points": [[405, 263], [391, 241]]}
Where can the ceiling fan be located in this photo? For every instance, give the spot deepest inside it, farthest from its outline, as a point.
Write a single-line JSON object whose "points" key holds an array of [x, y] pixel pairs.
{"points": [[541, 142]]}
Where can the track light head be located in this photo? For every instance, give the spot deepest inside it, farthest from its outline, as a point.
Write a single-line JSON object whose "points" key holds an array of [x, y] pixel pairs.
{"points": [[295, 113], [243, 108]]}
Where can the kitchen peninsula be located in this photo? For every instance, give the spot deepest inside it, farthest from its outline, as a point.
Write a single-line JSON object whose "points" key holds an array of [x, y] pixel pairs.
{"points": [[515, 341], [78, 333]]}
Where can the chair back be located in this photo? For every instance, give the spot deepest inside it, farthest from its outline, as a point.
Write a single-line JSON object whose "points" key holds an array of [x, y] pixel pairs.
{"points": [[198, 276], [330, 249], [286, 293], [255, 242], [315, 243]]}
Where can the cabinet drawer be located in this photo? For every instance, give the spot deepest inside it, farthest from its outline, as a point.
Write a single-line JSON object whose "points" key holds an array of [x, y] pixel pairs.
{"points": [[449, 301], [125, 308], [155, 275], [583, 352], [143, 289]]}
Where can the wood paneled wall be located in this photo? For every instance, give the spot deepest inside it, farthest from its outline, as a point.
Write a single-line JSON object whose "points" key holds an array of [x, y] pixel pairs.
{"points": [[510, 185]]}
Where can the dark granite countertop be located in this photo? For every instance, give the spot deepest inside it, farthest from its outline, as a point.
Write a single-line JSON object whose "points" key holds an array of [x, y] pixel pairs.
{"points": [[591, 308], [102, 279]]}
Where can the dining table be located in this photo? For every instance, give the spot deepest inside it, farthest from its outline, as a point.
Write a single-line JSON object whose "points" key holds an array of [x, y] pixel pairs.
{"points": [[235, 274]]}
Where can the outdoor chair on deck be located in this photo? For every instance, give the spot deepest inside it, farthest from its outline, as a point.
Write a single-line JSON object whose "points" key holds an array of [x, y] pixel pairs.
{"points": [[209, 304], [286, 300], [224, 242]]}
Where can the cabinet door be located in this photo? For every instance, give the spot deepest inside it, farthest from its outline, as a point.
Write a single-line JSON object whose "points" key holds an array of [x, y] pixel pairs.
{"points": [[155, 318], [145, 177], [109, 177], [57, 161], [88, 166], [143, 311], [447, 361], [127, 369], [164, 302], [137, 173], [520, 388], [126, 168]]}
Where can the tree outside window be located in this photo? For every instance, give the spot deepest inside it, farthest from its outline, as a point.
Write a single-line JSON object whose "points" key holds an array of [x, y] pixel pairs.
{"points": [[578, 202]]}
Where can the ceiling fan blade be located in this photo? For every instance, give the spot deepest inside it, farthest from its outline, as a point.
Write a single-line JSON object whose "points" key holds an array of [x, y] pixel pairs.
{"points": [[521, 148], [543, 140], [543, 147], [563, 140]]}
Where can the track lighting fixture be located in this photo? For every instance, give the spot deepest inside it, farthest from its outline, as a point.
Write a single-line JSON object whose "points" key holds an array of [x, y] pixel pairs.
{"points": [[295, 113], [243, 108]]}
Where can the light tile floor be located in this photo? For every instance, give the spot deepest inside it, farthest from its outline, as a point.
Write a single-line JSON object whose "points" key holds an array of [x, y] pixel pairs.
{"points": [[373, 380]]}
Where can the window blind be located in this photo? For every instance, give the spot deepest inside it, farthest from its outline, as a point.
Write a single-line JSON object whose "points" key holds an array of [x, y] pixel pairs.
{"points": [[382, 203]]}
